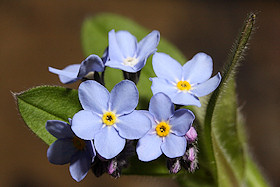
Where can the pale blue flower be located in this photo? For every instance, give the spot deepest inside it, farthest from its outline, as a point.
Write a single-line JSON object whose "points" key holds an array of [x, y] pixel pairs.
{"points": [[184, 84], [167, 134], [128, 55], [86, 69], [109, 118], [68, 148]]}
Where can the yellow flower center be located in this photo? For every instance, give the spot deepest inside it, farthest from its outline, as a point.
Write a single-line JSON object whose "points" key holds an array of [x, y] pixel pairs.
{"points": [[184, 85], [162, 129], [109, 118], [79, 143]]}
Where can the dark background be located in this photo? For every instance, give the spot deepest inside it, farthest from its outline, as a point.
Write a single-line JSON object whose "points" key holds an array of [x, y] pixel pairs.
{"points": [[37, 34]]}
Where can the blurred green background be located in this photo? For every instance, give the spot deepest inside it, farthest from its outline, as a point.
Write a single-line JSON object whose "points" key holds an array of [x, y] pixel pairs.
{"points": [[37, 34]]}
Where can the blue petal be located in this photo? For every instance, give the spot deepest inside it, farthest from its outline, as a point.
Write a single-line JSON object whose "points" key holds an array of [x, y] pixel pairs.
{"points": [[181, 121], [148, 147], [93, 96], [86, 124], [118, 65], [61, 151], [166, 67], [80, 164], [148, 45], [198, 69], [59, 129], [134, 125], [174, 146], [90, 64], [161, 107], [127, 43], [148, 115], [164, 86], [115, 52], [108, 142], [68, 74], [124, 97], [185, 98], [141, 63], [207, 87]]}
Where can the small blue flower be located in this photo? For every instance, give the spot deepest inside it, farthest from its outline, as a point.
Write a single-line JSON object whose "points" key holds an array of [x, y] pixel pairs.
{"points": [[86, 69], [109, 118], [128, 55], [184, 84], [167, 134], [68, 148]]}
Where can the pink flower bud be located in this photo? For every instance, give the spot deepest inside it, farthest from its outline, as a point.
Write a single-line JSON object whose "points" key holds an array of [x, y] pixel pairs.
{"points": [[192, 154], [112, 166], [191, 135]]}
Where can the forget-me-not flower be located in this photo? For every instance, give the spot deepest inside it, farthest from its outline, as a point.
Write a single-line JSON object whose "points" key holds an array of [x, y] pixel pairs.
{"points": [[128, 55], [109, 118], [86, 69], [184, 84], [68, 148], [167, 134]]}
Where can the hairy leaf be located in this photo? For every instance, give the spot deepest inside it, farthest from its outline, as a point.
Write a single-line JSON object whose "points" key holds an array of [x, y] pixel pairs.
{"points": [[225, 149], [43, 103]]}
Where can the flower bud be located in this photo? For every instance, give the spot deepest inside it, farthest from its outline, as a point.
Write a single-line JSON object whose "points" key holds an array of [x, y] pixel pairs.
{"points": [[189, 160], [191, 135], [191, 154], [174, 165], [112, 166], [193, 166]]}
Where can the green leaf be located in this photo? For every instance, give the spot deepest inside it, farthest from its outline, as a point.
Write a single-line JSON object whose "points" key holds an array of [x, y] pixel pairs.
{"points": [[254, 178], [229, 152], [253, 175], [95, 40], [224, 146], [43, 103]]}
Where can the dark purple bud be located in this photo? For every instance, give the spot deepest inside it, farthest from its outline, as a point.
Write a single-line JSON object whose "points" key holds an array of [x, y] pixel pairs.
{"points": [[112, 166], [191, 135], [189, 160], [191, 154], [193, 166], [115, 165], [174, 165]]}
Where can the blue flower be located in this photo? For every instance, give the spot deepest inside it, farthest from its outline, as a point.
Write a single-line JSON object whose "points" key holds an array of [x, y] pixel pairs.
{"points": [[68, 148], [184, 84], [86, 69], [128, 55], [109, 118], [167, 134]]}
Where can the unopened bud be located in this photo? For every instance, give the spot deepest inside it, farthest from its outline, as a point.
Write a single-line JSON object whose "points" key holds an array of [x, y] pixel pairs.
{"points": [[191, 154], [189, 160], [191, 135], [174, 165], [193, 166], [112, 166]]}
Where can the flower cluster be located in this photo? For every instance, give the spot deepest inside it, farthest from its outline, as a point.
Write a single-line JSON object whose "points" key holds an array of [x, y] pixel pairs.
{"points": [[109, 130]]}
